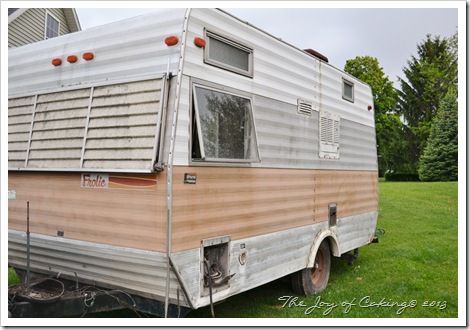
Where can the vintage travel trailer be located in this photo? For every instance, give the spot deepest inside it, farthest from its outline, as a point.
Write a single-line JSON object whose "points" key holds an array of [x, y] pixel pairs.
{"points": [[186, 156]]}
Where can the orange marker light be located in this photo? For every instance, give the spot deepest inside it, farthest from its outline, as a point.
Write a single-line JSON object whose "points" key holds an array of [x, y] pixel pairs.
{"points": [[88, 56], [72, 58], [56, 62], [171, 41], [199, 42], [369, 107]]}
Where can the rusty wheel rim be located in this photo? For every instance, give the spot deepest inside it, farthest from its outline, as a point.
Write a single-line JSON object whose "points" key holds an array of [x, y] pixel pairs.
{"points": [[318, 270]]}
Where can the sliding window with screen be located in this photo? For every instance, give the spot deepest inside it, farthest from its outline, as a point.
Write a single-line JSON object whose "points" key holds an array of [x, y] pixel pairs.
{"points": [[228, 54], [223, 129], [348, 90]]}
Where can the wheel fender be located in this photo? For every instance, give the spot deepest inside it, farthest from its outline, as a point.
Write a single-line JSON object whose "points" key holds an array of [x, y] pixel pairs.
{"points": [[321, 236]]}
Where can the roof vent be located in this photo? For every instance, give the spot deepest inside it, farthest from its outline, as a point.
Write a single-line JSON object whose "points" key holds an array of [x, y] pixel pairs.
{"points": [[316, 54]]}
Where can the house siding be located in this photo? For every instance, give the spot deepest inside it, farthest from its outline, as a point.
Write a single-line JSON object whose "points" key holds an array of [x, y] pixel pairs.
{"points": [[29, 27]]}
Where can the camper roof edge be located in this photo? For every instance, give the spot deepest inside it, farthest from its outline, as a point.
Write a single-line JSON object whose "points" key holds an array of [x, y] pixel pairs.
{"points": [[291, 45]]}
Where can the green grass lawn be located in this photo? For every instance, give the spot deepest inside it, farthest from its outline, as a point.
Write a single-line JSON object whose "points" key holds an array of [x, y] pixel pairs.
{"points": [[416, 260]]}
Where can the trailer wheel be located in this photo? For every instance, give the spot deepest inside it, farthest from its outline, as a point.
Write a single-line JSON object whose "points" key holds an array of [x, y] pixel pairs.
{"points": [[313, 280]]}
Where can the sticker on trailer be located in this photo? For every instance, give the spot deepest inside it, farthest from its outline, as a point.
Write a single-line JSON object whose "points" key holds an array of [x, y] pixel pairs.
{"points": [[95, 181], [106, 181], [11, 194]]}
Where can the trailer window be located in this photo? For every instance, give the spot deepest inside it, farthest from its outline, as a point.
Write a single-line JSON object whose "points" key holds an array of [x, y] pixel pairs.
{"points": [[223, 127], [348, 90], [228, 54]]}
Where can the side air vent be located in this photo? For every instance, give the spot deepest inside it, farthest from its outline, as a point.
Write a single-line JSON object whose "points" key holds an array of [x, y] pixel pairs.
{"points": [[304, 107], [329, 135]]}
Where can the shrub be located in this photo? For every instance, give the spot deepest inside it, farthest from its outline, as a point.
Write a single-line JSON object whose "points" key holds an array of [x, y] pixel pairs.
{"points": [[391, 176]]}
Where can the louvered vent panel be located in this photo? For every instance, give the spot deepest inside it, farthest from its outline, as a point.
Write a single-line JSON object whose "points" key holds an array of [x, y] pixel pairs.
{"points": [[20, 111], [104, 127], [329, 135], [304, 107]]}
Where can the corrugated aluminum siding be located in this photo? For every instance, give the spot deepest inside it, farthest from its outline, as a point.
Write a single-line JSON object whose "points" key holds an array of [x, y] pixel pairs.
{"points": [[282, 76], [136, 271], [287, 139], [281, 72], [123, 50], [269, 257], [103, 127]]}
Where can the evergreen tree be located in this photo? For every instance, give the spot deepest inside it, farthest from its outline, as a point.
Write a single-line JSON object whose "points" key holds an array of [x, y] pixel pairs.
{"points": [[429, 76], [439, 159]]}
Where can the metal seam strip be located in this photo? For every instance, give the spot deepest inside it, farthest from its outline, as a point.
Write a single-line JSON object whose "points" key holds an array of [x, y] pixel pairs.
{"points": [[90, 100], [31, 131]]}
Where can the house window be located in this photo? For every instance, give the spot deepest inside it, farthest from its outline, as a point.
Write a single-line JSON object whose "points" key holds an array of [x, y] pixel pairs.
{"points": [[348, 90], [228, 54], [223, 128], [52, 26]]}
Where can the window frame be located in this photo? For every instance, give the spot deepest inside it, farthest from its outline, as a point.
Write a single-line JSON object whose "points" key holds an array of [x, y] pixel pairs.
{"points": [[48, 13], [350, 83], [229, 41], [197, 122]]}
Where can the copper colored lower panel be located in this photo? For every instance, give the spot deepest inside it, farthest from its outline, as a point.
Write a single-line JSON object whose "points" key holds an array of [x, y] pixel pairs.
{"points": [[129, 210], [241, 202], [246, 202]]}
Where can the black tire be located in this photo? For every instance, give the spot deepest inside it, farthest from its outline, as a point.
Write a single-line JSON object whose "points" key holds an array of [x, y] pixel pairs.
{"points": [[314, 280]]}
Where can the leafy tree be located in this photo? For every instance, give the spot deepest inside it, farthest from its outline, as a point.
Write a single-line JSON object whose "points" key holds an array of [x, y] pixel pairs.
{"points": [[368, 69], [428, 77], [392, 148], [439, 159]]}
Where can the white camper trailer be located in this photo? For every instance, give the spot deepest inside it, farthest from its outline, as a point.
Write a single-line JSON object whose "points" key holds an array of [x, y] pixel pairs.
{"points": [[184, 157]]}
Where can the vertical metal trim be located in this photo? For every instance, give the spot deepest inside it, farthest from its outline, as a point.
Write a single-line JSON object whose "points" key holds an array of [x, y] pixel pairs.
{"points": [[161, 146], [26, 159], [159, 120], [90, 100], [198, 124], [171, 156], [320, 105]]}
